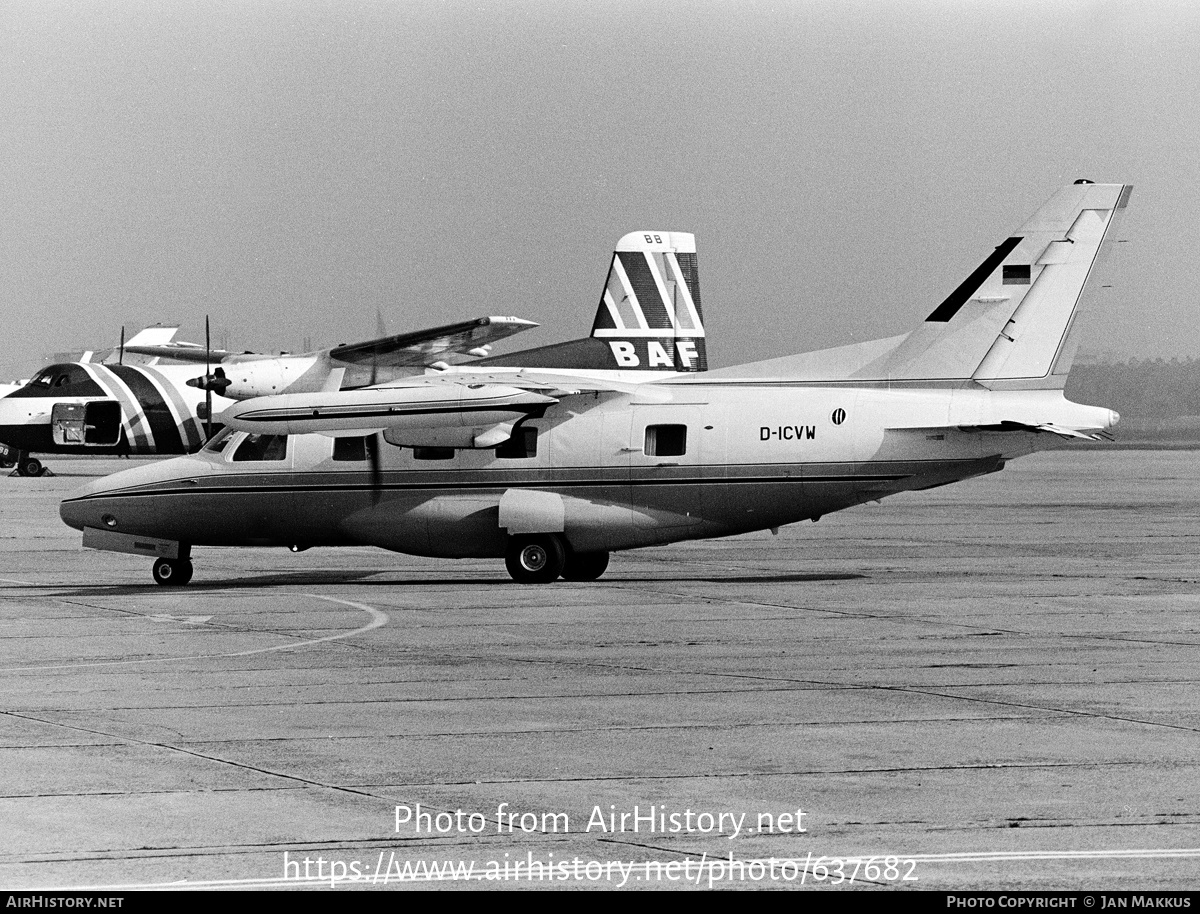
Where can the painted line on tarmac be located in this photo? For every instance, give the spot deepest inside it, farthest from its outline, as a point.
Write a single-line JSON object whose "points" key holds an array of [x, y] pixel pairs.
{"points": [[436, 872], [378, 619]]}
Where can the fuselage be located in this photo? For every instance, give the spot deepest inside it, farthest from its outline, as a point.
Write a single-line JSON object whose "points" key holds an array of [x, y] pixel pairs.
{"points": [[606, 471]]}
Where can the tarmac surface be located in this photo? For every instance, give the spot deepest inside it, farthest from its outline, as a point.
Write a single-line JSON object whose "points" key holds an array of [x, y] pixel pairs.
{"points": [[994, 683]]}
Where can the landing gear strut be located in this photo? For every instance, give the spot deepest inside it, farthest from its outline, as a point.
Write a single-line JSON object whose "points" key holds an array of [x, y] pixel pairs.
{"points": [[536, 559], [28, 465], [173, 572]]}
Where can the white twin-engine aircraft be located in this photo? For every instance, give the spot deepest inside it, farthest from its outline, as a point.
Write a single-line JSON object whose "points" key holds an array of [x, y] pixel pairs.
{"points": [[555, 468]]}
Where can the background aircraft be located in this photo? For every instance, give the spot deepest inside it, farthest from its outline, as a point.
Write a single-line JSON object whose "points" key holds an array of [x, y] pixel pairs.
{"points": [[27, 464], [112, 407], [553, 470], [648, 323], [241, 376]]}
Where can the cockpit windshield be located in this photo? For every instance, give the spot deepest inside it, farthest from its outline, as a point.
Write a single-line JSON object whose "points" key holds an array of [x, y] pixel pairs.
{"points": [[262, 447], [59, 376], [67, 380]]}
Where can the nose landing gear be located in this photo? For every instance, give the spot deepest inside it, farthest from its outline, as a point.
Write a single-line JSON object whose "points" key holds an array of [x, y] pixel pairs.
{"points": [[172, 572]]}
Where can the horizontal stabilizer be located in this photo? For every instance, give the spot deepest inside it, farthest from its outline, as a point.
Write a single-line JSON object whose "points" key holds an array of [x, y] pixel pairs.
{"points": [[978, 409]]}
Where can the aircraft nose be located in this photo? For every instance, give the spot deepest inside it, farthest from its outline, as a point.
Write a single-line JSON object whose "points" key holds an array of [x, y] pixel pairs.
{"points": [[75, 514], [80, 509], [1113, 418]]}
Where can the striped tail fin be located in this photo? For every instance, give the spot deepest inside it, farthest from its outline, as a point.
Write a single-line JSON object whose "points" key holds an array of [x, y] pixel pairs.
{"points": [[648, 319], [650, 314]]}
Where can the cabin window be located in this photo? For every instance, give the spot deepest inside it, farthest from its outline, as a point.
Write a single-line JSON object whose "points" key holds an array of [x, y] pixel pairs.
{"points": [[666, 440], [523, 443], [262, 447], [353, 448], [433, 453]]}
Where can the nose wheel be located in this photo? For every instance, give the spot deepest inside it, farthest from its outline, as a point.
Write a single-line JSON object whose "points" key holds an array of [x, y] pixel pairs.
{"points": [[172, 572], [28, 466]]}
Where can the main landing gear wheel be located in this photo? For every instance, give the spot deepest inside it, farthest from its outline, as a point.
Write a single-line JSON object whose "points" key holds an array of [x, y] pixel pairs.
{"points": [[585, 566], [29, 466], [173, 572], [535, 559]]}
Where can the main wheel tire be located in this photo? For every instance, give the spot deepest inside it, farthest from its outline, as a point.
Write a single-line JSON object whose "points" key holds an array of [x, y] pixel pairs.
{"points": [[537, 559], [29, 466], [172, 572], [585, 566]]}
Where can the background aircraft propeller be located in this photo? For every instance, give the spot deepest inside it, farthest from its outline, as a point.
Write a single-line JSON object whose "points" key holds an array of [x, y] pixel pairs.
{"points": [[207, 386]]}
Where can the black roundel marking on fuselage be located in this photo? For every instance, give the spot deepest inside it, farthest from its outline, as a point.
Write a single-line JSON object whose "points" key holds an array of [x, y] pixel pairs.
{"points": [[839, 416]]}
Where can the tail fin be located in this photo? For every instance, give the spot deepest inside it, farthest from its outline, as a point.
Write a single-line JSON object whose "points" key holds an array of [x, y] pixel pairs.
{"points": [[649, 316], [1008, 325], [158, 335], [649, 313]]}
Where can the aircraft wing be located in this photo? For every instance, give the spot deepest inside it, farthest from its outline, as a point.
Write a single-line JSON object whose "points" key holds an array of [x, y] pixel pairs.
{"points": [[560, 383], [429, 415], [181, 352], [424, 347]]}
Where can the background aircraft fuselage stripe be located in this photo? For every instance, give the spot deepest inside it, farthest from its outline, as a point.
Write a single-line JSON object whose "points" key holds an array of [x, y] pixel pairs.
{"points": [[136, 432], [162, 424], [189, 426]]}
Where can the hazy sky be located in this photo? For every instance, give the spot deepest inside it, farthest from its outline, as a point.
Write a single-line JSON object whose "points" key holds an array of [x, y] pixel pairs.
{"points": [[290, 167]]}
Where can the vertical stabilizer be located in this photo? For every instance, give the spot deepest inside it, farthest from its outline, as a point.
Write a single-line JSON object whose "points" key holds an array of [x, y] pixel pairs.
{"points": [[648, 319], [1008, 324], [649, 313]]}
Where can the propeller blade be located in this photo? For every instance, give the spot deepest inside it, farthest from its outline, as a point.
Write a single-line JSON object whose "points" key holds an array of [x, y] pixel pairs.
{"points": [[207, 388], [121, 353]]}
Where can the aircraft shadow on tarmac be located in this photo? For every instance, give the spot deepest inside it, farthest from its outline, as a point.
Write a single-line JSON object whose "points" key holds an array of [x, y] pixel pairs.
{"points": [[362, 579]]}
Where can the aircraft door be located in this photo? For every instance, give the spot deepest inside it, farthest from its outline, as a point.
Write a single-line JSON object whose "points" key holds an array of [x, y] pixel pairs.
{"points": [[93, 424], [102, 423], [673, 459]]}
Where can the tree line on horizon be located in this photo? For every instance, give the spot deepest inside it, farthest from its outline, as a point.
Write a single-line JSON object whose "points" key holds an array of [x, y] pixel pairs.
{"points": [[1139, 388]]}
